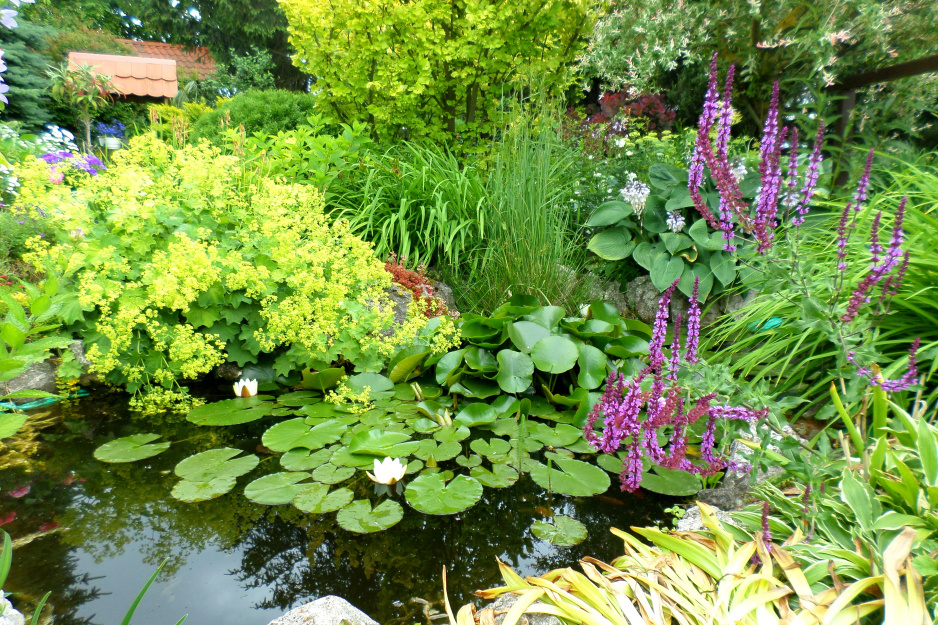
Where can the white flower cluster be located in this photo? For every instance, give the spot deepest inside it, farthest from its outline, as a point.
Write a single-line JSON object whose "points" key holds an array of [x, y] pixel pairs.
{"points": [[675, 221], [635, 192], [8, 182], [739, 170], [56, 139]]}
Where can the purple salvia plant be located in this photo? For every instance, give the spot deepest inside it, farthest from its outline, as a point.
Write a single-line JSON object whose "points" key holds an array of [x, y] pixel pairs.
{"points": [[770, 175], [766, 532], [623, 403], [810, 178], [791, 197], [879, 268], [726, 116], [842, 241], [892, 284], [693, 324], [705, 123]]}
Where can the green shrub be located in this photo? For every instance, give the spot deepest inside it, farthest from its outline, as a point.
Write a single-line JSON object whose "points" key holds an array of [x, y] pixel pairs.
{"points": [[178, 261], [265, 112]]}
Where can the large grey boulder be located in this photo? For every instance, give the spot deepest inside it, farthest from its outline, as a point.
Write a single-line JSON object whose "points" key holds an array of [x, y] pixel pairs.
{"points": [[328, 610], [8, 615], [39, 376], [501, 606], [691, 521]]}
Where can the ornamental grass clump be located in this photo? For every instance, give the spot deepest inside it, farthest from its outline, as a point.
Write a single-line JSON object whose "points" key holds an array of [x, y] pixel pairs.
{"points": [[179, 261], [636, 412]]}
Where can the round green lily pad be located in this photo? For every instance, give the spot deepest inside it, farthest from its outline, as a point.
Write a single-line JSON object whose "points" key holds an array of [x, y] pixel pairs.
{"points": [[192, 492], [500, 476], [563, 532], [496, 450], [554, 354], [318, 410], [559, 436], [276, 488], [317, 499], [571, 477], [331, 474], [298, 398], [130, 448], [296, 433], [475, 414], [468, 461], [231, 411], [453, 434], [215, 463], [431, 494], [304, 459], [359, 517]]}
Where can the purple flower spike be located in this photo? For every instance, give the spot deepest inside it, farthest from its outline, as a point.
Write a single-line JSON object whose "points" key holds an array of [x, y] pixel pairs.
{"points": [[726, 116], [860, 196], [810, 177], [675, 361], [766, 532], [842, 236], [693, 324], [791, 199]]}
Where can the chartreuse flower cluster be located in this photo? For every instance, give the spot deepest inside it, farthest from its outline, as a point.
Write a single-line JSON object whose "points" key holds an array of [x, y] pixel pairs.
{"points": [[181, 261]]}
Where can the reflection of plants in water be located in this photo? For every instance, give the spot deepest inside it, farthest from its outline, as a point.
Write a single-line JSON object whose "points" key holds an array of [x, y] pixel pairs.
{"points": [[18, 450]]}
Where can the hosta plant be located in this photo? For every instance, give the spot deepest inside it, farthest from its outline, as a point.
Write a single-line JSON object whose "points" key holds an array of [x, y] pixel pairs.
{"points": [[708, 578]]}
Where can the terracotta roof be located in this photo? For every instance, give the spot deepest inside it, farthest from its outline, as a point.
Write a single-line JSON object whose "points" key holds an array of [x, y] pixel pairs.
{"points": [[190, 60], [132, 75]]}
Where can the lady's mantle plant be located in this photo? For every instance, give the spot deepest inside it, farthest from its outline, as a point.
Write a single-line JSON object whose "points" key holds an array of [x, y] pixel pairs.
{"points": [[180, 261]]}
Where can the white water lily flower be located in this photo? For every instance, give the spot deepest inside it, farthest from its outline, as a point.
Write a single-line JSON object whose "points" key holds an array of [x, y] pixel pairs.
{"points": [[245, 388], [388, 471]]}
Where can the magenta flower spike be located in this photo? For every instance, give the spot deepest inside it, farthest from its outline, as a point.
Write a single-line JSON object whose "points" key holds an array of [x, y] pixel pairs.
{"points": [[693, 324]]}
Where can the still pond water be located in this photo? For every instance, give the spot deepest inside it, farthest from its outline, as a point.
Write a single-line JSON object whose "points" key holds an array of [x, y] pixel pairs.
{"points": [[93, 533]]}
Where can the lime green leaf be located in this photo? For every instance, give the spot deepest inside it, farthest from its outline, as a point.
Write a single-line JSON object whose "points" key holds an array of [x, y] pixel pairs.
{"points": [[554, 354], [431, 495], [563, 532], [130, 448]]}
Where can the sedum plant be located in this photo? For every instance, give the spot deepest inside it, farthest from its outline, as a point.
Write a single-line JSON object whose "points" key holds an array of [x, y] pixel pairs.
{"points": [[178, 261]]}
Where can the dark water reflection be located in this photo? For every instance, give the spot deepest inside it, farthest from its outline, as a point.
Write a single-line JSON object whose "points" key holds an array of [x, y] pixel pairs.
{"points": [[94, 533]]}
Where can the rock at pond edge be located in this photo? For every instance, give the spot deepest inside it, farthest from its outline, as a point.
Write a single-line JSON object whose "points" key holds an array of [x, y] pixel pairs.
{"points": [[328, 610]]}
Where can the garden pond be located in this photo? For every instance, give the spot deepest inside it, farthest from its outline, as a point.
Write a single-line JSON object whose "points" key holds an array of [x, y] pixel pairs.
{"points": [[92, 532]]}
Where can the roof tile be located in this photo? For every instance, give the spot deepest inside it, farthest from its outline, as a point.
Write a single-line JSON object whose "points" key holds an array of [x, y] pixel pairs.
{"points": [[197, 60], [132, 75]]}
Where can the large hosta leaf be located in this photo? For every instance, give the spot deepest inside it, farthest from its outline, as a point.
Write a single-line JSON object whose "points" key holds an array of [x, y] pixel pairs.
{"points": [[571, 477], [360, 518], [296, 433], [500, 476], [231, 411], [276, 488], [130, 448], [555, 354], [317, 499], [431, 494], [563, 532], [215, 463]]}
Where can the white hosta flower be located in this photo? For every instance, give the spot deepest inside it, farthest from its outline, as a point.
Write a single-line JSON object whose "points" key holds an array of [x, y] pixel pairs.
{"points": [[388, 471], [635, 192], [245, 388], [675, 221], [620, 142], [739, 170]]}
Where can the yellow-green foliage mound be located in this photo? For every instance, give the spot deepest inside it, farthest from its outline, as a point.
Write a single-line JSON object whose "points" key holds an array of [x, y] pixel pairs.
{"points": [[180, 260]]}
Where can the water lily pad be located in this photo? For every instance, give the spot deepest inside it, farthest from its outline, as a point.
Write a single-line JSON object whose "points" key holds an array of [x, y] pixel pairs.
{"points": [[671, 482], [505, 426], [282, 412], [470, 461], [500, 476], [496, 450], [192, 492], [344, 458], [404, 363], [382, 443], [559, 436], [360, 518], [428, 448], [475, 389], [298, 398], [431, 494], [404, 392], [376, 382], [317, 499], [571, 477], [515, 371], [613, 464], [319, 410], [130, 448], [481, 360], [231, 411], [276, 488], [304, 459], [563, 532], [215, 463], [454, 434], [296, 433], [555, 354], [425, 425], [475, 414], [332, 474], [322, 380], [593, 367]]}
